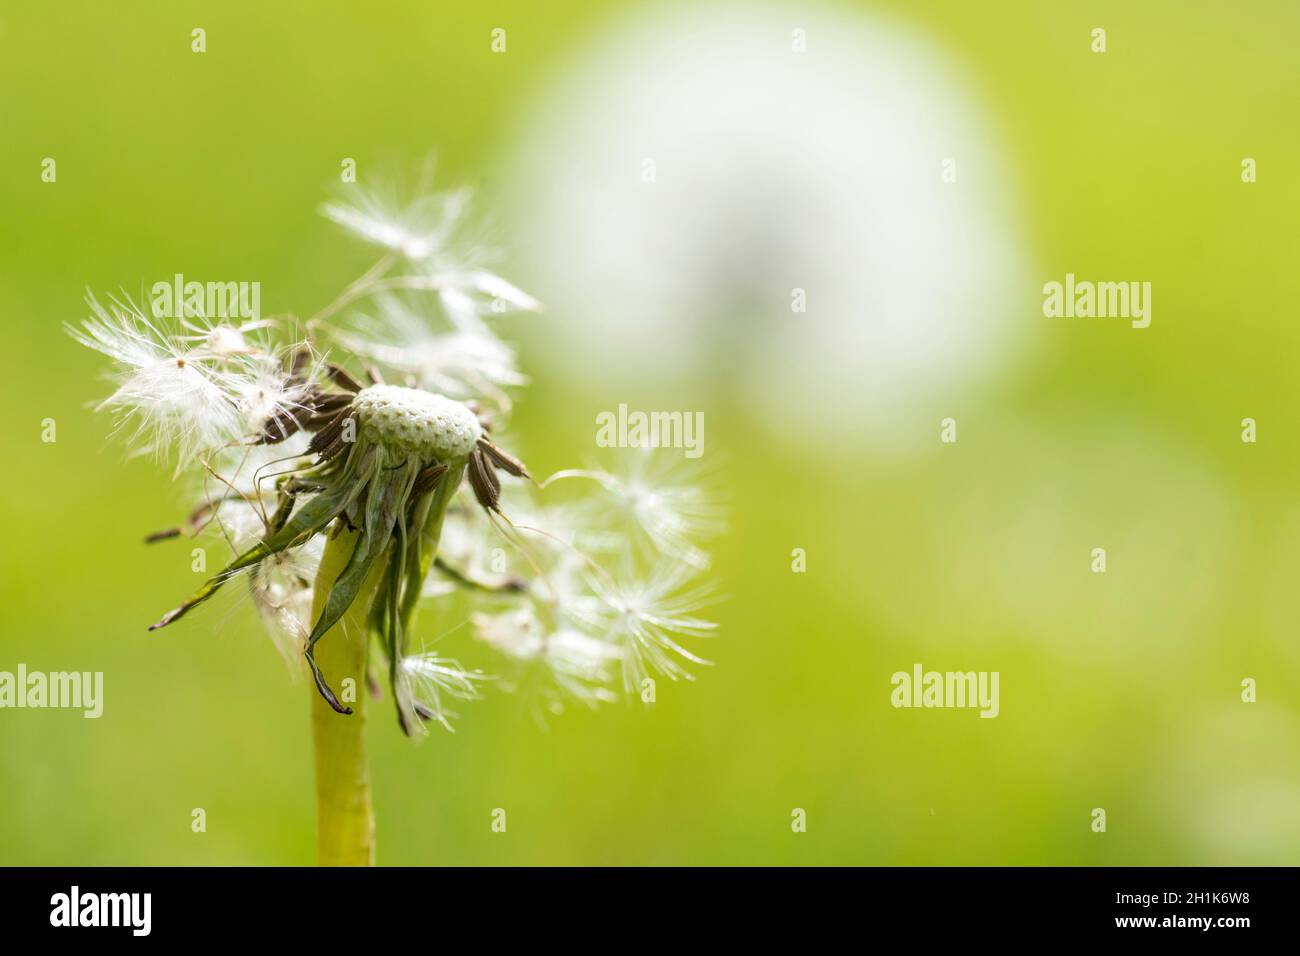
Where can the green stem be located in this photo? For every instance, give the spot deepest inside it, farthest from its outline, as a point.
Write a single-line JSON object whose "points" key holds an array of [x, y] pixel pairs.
{"points": [[345, 820]]}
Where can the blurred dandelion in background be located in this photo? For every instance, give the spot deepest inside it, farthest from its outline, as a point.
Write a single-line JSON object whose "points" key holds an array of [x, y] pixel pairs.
{"points": [[697, 196]]}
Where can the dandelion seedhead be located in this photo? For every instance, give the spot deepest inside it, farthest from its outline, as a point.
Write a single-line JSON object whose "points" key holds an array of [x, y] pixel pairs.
{"points": [[377, 416]]}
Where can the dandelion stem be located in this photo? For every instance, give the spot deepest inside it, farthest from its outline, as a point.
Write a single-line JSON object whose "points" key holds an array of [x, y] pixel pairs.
{"points": [[345, 823]]}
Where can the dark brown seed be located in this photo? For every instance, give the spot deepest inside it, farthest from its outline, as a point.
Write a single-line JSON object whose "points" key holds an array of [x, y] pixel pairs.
{"points": [[330, 441], [330, 402], [298, 363], [491, 474], [196, 522], [339, 376], [427, 479], [326, 435], [332, 450], [507, 463], [314, 423], [481, 484], [278, 427]]}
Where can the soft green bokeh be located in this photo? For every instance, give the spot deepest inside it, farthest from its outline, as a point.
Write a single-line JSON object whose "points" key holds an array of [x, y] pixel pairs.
{"points": [[1118, 691]]}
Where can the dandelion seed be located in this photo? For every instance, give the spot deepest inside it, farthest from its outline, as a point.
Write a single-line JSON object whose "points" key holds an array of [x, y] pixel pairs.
{"points": [[649, 495], [266, 393], [419, 231], [222, 340], [516, 633], [432, 679], [498, 296], [282, 592], [225, 341], [461, 363], [177, 402], [648, 618], [579, 664]]}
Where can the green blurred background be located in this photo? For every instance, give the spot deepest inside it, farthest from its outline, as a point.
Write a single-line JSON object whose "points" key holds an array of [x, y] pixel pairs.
{"points": [[1119, 691]]}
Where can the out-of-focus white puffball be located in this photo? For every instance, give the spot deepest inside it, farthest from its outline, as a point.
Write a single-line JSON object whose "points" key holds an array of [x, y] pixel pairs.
{"points": [[699, 174]]}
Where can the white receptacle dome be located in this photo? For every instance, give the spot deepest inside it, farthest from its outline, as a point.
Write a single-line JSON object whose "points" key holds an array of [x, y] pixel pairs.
{"points": [[420, 421]]}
